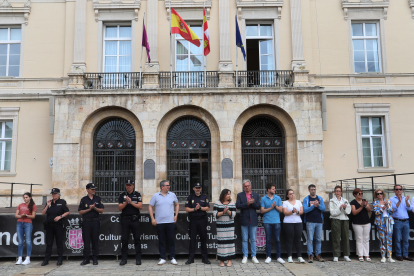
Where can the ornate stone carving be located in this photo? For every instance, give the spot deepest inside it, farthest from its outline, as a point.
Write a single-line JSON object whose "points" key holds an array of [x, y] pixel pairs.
{"points": [[367, 5], [188, 4], [5, 4], [22, 12], [411, 3], [116, 5], [252, 4], [28, 4]]}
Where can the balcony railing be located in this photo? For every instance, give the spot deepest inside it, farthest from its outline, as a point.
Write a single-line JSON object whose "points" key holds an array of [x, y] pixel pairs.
{"points": [[188, 79], [268, 78], [126, 80]]}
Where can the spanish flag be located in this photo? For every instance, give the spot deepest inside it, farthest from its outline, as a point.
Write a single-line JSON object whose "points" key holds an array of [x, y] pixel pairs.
{"points": [[206, 35], [178, 26]]}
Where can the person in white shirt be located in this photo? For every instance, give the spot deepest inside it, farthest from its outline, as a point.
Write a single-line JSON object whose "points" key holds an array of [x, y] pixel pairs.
{"points": [[292, 225]]}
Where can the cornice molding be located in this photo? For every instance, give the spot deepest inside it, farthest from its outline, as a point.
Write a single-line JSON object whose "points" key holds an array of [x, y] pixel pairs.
{"points": [[188, 4], [116, 5], [7, 8], [365, 4], [252, 4]]}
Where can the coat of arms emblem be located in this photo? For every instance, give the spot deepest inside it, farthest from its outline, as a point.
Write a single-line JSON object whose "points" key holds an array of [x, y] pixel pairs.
{"points": [[74, 239]]}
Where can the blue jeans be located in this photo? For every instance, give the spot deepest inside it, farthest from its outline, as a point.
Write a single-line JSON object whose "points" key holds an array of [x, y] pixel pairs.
{"points": [[401, 231], [314, 230], [166, 237], [24, 230], [272, 229], [247, 231]]}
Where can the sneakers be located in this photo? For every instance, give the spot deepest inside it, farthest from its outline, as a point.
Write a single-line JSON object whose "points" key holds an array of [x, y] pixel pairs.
{"points": [[19, 261], [161, 262], [301, 260], [173, 261], [254, 260], [383, 260], [244, 260], [290, 260], [310, 259], [268, 260], [335, 259], [280, 260], [27, 261], [347, 259], [391, 260], [319, 258]]}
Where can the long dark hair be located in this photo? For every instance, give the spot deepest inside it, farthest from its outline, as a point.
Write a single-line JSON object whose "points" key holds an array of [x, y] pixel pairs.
{"points": [[287, 192], [223, 195], [31, 203]]}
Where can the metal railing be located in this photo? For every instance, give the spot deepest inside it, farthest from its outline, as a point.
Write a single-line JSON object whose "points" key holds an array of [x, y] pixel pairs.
{"points": [[264, 78], [12, 187], [188, 79], [125, 80], [369, 185]]}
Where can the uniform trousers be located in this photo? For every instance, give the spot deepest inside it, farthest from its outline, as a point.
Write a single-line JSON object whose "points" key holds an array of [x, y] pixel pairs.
{"points": [[133, 225], [198, 226], [90, 233], [54, 231]]}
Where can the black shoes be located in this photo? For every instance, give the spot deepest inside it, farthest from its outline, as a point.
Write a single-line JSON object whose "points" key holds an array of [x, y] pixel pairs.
{"points": [[85, 262], [138, 262], [123, 262], [59, 262], [95, 262], [206, 261], [189, 262], [45, 262]]}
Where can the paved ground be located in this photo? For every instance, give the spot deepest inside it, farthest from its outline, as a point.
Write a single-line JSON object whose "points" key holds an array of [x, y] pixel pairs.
{"points": [[109, 266]]}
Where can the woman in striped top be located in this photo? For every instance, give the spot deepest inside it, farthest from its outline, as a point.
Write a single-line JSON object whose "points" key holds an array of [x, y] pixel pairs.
{"points": [[225, 212]]}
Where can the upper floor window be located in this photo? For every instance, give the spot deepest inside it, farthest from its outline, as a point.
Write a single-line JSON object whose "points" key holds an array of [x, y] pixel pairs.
{"points": [[10, 41], [6, 136], [372, 133], [189, 57], [365, 42], [259, 46], [117, 49]]}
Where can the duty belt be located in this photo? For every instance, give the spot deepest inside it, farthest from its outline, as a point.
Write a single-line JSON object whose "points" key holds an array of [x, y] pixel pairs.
{"points": [[129, 217], [91, 219]]}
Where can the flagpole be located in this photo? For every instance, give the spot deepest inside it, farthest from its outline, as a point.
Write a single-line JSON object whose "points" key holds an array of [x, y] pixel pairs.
{"points": [[204, 57], [142, 49], [237, 58], [171, 76]]}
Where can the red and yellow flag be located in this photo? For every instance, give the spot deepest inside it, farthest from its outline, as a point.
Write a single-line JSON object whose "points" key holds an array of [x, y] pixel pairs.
{"points": [[206, 35], [178, 26]]}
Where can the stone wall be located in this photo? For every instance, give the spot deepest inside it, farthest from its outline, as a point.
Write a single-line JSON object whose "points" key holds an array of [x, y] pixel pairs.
{"points": [[151, 114]]}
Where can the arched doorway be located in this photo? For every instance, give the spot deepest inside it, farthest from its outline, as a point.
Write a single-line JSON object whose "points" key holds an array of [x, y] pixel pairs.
{"points": [[188, 156], [113, 157], [263, 154]]}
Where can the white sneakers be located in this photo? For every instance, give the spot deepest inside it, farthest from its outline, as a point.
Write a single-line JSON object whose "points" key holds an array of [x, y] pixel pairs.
{"points": [[162, 261], [173, 261], [335, 259], [347, 259], [268, 260], [383, 260], [27, 261], [19, 261], [254, 260], [300, 259], [280, 260], [390, 260], [290, 260], [244, 260]]}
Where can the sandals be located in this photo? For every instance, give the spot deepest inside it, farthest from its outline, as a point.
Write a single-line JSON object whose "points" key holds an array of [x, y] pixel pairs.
{"points": [[367, 258], [361, 259]]}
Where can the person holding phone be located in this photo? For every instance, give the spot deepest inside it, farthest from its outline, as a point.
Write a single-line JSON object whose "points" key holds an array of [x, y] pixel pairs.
{"points": [[340, 209], [25, 213], [384, 223], [361, 224]]}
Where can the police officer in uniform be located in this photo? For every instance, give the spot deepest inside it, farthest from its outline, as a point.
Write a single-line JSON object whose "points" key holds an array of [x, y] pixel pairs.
{"points": [[197, 206], [90, 207], [55, 210], [130, 202]]}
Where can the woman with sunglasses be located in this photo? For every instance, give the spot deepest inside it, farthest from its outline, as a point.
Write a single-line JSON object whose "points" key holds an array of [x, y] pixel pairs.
{"points": [[384, 223], [361, 224], [340, 209]]}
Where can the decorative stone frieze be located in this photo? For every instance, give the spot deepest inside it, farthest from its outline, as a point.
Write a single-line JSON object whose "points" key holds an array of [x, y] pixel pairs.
{"points": [[274, 7], [117, 6], [6, 9], [186, 8], [365, 5]]}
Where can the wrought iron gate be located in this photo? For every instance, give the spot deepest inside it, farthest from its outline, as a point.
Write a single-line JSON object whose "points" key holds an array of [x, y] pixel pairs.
{"points": [[188, 156], [263, 155], [113, 158]]}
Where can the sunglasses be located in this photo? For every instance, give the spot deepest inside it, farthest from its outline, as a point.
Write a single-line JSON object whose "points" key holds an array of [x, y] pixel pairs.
{"points": [[360, 193], [379, 193], [398, 189]]}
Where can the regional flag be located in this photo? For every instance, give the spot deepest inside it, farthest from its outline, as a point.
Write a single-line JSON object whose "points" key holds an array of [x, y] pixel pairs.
{"points": [[178, 26], [239, 41], [206, 35]]}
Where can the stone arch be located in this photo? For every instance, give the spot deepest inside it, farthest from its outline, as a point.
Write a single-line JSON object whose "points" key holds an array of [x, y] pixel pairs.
{"points": [[163, 126], [86, 142], [283, 118]]}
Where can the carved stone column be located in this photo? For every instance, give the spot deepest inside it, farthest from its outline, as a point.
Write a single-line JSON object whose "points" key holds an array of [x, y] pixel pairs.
{"points": [[79, 65], [297, 37], [152, 32], [225, 64]]}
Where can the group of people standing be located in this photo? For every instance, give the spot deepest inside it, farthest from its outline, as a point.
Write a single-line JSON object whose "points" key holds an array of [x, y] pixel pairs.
{"points": [[391, 220]]}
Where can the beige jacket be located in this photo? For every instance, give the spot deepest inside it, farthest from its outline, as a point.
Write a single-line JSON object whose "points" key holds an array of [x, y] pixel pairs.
{"points": [[336, 213]]}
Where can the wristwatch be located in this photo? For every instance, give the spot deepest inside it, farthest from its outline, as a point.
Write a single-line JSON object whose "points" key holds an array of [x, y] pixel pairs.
{"points": [[61, 216]]}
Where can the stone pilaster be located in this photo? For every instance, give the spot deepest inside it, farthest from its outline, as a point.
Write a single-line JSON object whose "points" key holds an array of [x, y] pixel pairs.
{"points": [[152, 32], [76, 81], [300, 76], [225, 63], [79, 65], [297, 38], [150, 77]]}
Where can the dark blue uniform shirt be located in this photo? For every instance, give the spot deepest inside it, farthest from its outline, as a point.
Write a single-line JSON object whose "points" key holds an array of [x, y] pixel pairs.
{"points": [[86, 202], [192, 201], [56, 209], [130, 210]]}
